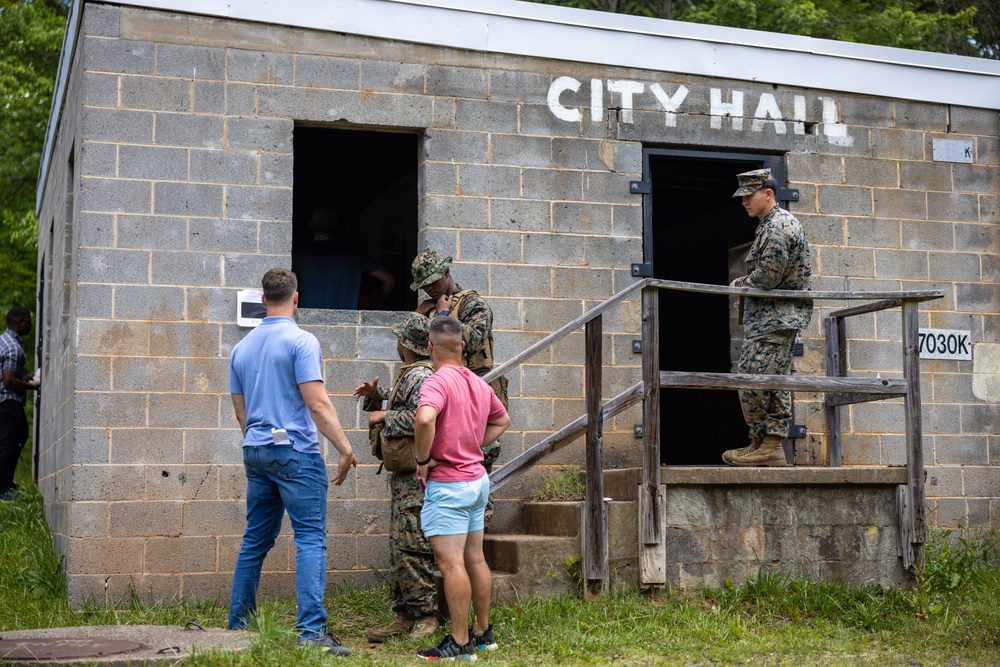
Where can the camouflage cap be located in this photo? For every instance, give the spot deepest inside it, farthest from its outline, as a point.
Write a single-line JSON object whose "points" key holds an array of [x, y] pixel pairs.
{"points": [[752, 181], [413, 333], [428, 267]]}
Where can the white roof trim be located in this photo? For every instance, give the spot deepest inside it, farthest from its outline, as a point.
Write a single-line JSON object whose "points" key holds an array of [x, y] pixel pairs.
{"points": [[574, 35]]}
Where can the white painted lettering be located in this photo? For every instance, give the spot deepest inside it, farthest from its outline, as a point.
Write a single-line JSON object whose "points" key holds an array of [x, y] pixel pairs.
{"points": [[799, 126], [626, 89], [833, 129], [558, 87], [597, 100], [767, 108], [669, 104], [719, 109]]}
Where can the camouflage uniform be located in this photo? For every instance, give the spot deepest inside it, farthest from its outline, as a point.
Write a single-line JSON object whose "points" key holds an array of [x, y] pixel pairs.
{"points": [[778, 259], [411, 574], [476, 317]]}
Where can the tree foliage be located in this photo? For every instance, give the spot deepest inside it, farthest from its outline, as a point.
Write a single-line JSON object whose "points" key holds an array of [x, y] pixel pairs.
{"points": [[30, 39], [962, 27]]}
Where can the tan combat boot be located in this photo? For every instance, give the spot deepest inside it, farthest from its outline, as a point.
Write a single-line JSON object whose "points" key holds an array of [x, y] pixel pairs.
{"points": [[424, 627], [399, 626], [730, 454], [770, 453]]}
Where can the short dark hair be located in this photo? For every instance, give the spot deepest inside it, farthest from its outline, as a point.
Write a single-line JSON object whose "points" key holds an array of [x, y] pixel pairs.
{"points": [[770, 183], [445, 325], [17, 314], [279, 285]]}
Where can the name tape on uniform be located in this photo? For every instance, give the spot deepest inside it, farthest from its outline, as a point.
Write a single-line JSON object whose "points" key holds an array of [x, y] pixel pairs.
{"points": [[945, 344]]}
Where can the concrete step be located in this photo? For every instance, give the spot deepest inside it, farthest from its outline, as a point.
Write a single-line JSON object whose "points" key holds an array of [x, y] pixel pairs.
{"points": [[560, 518], [531, 564]]}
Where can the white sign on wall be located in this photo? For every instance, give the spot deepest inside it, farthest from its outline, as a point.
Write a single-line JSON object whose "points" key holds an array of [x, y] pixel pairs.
{"points": [[249, 308], [574, 100], [945, 344]]}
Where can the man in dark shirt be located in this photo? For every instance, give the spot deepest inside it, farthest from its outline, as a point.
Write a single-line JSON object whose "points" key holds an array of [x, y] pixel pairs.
{"points": [[13, 389]]}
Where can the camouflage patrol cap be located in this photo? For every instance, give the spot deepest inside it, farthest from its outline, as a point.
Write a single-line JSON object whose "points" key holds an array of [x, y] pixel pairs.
{"points": [[428, 267], [752, 181], [413, 333]]}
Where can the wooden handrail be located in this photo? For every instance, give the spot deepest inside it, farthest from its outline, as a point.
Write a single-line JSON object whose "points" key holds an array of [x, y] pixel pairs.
{"points": [[801, 295], [816, 383]]}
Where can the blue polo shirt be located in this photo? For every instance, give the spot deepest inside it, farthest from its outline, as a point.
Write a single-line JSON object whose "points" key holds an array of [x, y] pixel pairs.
{"points": [[266, 367]]}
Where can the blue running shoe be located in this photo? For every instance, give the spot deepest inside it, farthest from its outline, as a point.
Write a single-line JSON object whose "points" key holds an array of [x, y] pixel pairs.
{"points": [[485, 641], [449, 649]]}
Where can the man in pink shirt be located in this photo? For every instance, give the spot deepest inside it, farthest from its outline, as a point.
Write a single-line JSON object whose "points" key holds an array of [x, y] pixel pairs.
{"points": [[458, 415]]}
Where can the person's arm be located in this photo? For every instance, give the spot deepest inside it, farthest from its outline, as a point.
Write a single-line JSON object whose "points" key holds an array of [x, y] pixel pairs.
{"points": [[772, 260], [424, 426], [14, 383], [325, 416], [384, 277], [240, 408], [477, 322], [400, 415], [495, 428]]}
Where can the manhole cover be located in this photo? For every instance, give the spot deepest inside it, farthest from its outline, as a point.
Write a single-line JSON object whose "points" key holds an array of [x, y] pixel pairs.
{"points": [[55, 648]]}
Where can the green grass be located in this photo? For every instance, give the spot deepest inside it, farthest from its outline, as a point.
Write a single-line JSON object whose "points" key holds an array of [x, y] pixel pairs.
{"points": [[566, 484], [951, 618]]}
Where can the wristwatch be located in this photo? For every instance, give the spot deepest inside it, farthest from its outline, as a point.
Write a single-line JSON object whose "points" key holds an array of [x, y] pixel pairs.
{"points": [[442, 313]]}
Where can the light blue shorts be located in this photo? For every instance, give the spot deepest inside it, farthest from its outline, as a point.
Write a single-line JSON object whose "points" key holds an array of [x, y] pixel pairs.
{"points": [[454, 508]]}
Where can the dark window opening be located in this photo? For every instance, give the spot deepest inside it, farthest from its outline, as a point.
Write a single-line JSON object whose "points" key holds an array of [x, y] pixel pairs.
{"points": [[354, 218], [697, 232]]}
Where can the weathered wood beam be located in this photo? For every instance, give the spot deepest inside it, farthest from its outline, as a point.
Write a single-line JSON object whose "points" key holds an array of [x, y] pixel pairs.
{"points": [[912, 416], [800, 295], [867, 308], [837, 400], [822, 384], [652, 513], [595, 544]]}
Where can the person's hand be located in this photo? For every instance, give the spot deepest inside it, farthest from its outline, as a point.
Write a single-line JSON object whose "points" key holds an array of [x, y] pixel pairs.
{"points": [[367, 389], [425, 307], [344, 465], [34, 383], [733, 284], [376, 417], [423, 471], [443, 303]]}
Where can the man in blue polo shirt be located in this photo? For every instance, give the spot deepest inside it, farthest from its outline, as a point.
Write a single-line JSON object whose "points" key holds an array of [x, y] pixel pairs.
{"points": [[276, 383]]}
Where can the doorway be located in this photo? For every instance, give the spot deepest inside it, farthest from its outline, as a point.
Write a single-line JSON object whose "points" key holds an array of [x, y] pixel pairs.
{"points": [[695, 231]]}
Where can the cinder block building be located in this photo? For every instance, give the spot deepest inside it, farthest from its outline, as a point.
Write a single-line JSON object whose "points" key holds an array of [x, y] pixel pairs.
{"points": [[558, 155]]}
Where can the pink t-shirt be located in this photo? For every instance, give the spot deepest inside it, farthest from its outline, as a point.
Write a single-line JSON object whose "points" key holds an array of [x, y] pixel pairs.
{"points": [[464, 404]]}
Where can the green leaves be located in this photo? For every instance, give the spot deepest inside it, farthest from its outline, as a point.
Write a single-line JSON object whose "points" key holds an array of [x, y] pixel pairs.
{"points": [[30, 40], [963, 27]]}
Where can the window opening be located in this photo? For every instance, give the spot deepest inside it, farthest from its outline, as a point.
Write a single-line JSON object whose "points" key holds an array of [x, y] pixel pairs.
{"points": [[354, 218]]}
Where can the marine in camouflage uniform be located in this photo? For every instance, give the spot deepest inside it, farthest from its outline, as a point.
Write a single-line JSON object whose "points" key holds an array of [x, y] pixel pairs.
{"points": [[432, 273], [777, 259], [411, 573]]}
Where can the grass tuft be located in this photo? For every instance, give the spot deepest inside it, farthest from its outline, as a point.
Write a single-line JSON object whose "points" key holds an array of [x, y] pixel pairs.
{"points": [[567, 484]]}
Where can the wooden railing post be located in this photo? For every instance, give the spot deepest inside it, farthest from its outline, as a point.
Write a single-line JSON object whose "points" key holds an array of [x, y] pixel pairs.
{"points": [[914, 446], [652, 518], [595, 547], [836, 366]]}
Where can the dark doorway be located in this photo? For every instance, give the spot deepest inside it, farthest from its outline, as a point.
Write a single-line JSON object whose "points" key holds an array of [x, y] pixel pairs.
{"points": [[697, 232], [354, 218]]}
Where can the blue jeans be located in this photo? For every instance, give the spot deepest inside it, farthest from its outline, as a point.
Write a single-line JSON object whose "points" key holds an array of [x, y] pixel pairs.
{"points": [[278, 479]]}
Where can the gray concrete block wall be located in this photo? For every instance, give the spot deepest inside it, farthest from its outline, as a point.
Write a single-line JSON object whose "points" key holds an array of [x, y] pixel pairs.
{"points": [[184, 160]]}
